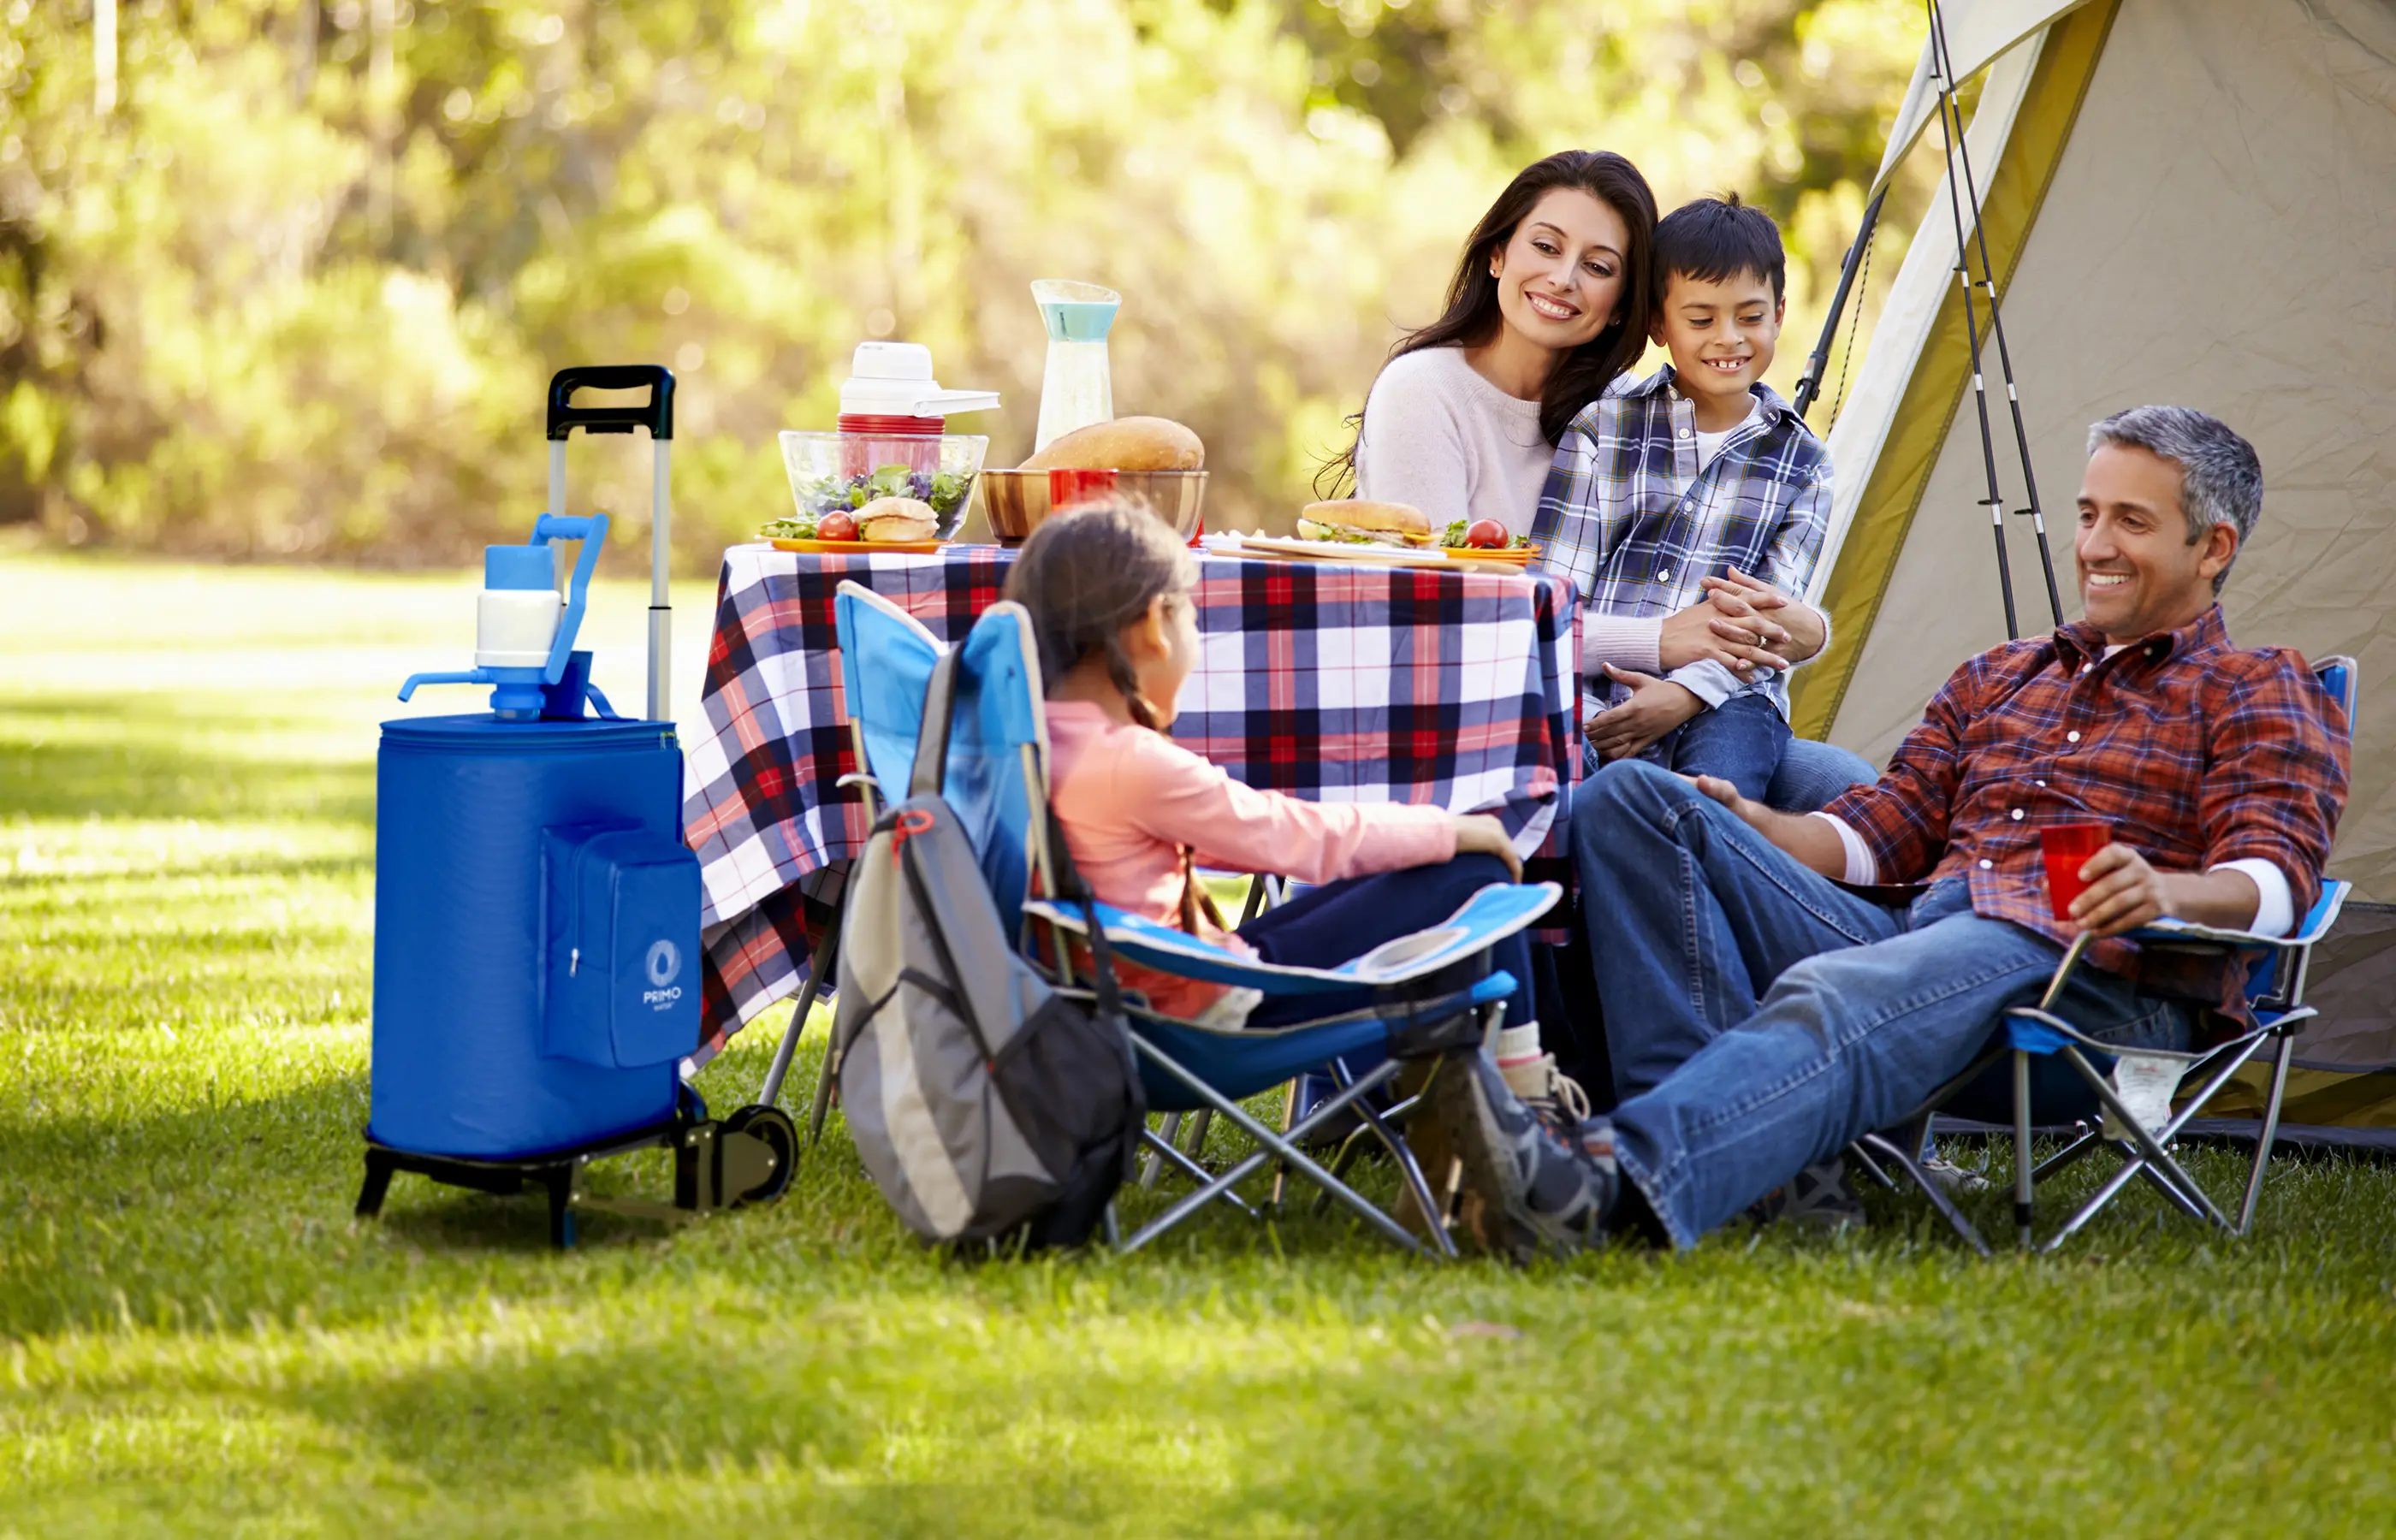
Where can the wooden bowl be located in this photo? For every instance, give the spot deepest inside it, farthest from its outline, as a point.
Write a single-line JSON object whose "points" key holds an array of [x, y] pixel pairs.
{"points": [[1016, 501]]}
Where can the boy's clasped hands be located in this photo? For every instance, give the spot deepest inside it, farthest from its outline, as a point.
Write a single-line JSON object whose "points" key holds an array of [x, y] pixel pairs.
{"points": [[1734, 626]]}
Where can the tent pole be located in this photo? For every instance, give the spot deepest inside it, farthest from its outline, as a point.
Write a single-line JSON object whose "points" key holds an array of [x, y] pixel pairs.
{"points": [[1817, 364], [1997, 329], [1949, 131]]}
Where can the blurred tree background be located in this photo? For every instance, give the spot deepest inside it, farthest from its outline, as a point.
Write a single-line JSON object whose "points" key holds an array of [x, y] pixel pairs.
{"points": [[282, 279]]}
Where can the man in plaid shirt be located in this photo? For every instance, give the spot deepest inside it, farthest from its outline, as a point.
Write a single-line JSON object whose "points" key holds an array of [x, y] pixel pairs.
{"points": [[1680, 487], [1761, 1016]]}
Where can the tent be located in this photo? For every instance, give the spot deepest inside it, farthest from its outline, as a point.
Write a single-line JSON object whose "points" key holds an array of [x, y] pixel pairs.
{"points": [[2185, 201]]}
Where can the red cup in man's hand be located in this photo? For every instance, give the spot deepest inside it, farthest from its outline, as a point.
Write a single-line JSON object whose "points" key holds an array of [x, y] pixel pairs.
{"points": [[2067, 847]]}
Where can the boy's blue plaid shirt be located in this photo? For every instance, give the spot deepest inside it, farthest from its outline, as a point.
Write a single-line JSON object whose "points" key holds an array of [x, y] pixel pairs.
{"points": [[1633, 521]]}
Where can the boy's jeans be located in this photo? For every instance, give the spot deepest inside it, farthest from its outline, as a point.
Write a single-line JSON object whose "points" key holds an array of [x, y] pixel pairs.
{"points": [[1760, 1016], [1741, 741]]}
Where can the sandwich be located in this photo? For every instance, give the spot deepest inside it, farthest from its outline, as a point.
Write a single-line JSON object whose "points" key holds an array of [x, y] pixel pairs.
{"points": [[1355, 522], [887, 519]]}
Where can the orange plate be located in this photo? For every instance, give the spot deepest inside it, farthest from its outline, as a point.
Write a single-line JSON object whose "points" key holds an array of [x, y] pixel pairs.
{"points": [[1518, 556], [860, 548]]}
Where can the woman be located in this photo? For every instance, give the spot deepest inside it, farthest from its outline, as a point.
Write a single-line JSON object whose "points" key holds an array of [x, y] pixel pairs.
{"points": [[1550, 304]]}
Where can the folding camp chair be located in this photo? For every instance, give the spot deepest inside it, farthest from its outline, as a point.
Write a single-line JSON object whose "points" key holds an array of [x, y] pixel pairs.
{"points": [[2274, 992], [1432, 993]]}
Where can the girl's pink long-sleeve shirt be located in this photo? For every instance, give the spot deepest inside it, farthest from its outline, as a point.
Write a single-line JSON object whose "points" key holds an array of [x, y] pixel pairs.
{"points": [[1129, 799]]}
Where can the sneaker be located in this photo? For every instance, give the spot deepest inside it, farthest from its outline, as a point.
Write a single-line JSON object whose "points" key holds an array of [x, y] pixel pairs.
{"points": [[1520, 1189], [1952, 1178], [1539, 1085], [1816, 1195]]}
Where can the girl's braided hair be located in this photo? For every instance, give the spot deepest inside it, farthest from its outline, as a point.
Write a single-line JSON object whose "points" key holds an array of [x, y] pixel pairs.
{"points": [[1088, 573]]}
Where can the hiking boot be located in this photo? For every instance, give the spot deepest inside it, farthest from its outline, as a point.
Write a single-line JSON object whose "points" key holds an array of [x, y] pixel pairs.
{"points": [[1520, 1189], [1816, 1195]]}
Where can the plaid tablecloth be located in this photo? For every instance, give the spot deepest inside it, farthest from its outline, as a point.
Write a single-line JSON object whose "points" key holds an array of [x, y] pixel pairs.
{"points": [[1333, 682]]}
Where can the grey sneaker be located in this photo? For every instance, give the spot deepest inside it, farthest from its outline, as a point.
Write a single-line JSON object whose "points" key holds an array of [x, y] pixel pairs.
{"points": [[1955, 1180], [1816, 1195], [1521, 1190]]}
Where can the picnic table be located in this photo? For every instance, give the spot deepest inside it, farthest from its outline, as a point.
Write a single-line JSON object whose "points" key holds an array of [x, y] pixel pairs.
{"points": [[1332, 680]]}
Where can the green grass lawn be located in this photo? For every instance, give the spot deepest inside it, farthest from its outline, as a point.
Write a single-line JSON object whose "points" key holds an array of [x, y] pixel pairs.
{"points": [[199, 1339]]}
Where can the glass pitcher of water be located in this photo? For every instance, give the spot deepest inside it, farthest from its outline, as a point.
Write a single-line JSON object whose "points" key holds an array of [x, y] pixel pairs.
{"points": [[1078, 387]]}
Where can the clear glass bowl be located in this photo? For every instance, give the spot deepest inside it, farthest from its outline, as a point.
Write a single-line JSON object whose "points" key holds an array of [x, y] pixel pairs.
{"points": [[848, 470]]}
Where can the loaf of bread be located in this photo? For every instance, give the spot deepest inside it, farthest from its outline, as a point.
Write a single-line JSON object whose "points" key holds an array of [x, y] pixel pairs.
{"points": [[1126, 443]]}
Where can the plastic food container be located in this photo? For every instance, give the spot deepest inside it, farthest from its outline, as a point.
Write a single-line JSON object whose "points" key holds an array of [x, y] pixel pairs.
{"points": [[830, 472]]}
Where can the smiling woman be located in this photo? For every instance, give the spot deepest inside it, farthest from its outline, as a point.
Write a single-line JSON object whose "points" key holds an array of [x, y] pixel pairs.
{"points": [[1549, 303]]}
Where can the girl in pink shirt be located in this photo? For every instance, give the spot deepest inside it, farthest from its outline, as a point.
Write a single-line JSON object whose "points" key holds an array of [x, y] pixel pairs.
{"points": [[1108, 588]]}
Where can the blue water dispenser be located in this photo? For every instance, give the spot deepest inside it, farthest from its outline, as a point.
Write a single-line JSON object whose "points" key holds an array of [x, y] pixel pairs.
{"points": [[536, 955]]}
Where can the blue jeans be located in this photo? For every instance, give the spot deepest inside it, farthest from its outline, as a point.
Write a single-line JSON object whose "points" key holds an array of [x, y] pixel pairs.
{"points": [[1760, 1016], [1741, 741], [1326, 926], [1811, 773]]}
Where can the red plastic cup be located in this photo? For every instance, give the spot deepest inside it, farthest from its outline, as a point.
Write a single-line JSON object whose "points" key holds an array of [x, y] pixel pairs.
{"points": [[2066, 847], [1071, 488]]}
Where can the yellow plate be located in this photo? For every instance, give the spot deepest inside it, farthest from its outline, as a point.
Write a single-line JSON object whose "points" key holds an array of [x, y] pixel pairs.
{"points": [[1516, 556], [859, 548]]}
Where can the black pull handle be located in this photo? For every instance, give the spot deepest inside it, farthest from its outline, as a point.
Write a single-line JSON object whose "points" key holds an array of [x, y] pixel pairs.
{"points": [[656, 414]]}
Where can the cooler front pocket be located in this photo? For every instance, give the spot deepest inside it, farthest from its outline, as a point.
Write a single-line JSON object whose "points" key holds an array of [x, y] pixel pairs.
{"points": [[622, 956]]}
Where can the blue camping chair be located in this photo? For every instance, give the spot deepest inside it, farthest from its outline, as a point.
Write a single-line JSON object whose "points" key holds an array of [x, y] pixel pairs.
{"points": [[1431, 990], [2275, 993]]}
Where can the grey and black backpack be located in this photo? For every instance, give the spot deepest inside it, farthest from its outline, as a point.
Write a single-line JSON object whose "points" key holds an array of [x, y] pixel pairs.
{"points": [[986, 1105]]}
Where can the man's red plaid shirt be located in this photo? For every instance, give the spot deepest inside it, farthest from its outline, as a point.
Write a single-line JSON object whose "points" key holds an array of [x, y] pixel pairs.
{"points": [[2198, 753]]}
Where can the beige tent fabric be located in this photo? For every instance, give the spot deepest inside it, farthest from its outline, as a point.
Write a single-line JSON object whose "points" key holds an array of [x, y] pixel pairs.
{"points": [[2220, 232], [1976, 33]]}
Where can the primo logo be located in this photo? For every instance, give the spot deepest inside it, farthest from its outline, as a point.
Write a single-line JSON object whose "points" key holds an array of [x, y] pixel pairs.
{"points": [[663, 965]]}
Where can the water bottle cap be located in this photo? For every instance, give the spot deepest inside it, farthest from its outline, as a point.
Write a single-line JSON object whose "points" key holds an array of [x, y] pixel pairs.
{"points": [[1075, 312], [520, 566], [893, 380]]}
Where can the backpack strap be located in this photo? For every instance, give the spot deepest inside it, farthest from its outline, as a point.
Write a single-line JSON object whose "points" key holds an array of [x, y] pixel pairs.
{"points": [[932, 739]]}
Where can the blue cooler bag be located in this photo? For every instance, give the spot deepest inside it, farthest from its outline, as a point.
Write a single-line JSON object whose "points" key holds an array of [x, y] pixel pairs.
{"points": [[535, 934]]}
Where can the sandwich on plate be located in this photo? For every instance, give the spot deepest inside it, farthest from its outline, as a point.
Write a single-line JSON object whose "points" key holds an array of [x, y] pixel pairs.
{"points": [[1352, 521]]}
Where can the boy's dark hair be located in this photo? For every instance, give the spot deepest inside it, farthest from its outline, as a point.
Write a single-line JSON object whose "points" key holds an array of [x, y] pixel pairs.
{"points": [[1714, 239]]}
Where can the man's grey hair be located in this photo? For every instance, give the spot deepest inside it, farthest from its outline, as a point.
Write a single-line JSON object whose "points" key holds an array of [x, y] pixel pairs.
{"points": [[2220, 476]]}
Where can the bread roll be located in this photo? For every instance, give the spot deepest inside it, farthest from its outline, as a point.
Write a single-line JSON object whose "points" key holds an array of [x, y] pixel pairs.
{"points": [[1126, 443], [1355, 521], [897, 518]]}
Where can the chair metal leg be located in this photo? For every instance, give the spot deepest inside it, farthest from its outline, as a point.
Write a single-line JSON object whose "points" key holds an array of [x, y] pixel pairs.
{"points": [[827, 947], [1269, 1146], [1161, 1148], [1169, 1130], [1200, 1122], [2271, 1131], [2025, 1212], [2087, 1141], [1905, 1158]]}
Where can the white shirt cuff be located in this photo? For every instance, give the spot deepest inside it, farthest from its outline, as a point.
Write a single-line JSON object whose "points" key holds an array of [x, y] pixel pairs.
{"points": [[1862, 868], [1710, 681], [2275, 911], [1626, 641]]}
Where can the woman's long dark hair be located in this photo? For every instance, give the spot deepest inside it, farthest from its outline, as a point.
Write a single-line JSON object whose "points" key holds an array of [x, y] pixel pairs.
{"points": [[1472, 317]]}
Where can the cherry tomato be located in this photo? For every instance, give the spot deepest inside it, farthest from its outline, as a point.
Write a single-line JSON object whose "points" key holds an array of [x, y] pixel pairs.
{"points": [[1486, 534], [835, 527]]}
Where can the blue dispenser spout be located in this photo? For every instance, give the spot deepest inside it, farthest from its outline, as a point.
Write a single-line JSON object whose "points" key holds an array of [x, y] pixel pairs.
{"points": [[525, 693]]}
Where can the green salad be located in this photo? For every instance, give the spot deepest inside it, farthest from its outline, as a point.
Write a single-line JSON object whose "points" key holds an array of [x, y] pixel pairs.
{"points": [[945, 490]]}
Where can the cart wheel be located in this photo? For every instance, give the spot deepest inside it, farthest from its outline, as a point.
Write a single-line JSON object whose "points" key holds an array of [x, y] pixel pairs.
{"points": [[771, 1127]]}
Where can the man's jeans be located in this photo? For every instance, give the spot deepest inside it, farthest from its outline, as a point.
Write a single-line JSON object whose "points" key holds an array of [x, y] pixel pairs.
{"points": [[1760, 1017]]}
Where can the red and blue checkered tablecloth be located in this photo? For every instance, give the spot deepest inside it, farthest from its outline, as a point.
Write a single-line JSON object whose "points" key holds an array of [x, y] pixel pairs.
{"points": [[1336, 682]]}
